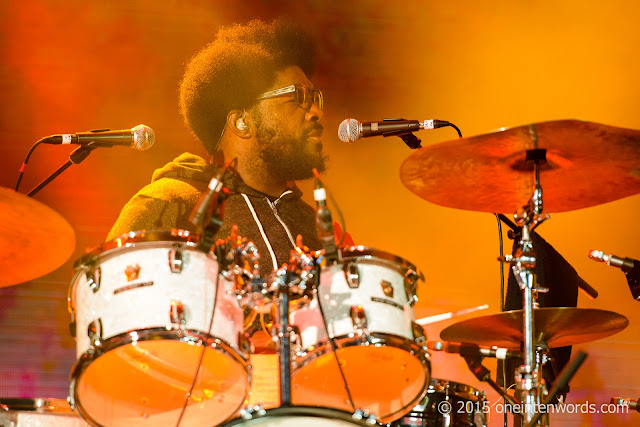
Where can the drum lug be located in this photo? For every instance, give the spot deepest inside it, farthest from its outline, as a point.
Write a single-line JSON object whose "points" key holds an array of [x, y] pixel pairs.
{"points": [[358, 317], [418, 334], [387, 288], [359, 414], [176, 314], [94, 276], [176, 260], [94, 331], [351, 274], [410, 285]]}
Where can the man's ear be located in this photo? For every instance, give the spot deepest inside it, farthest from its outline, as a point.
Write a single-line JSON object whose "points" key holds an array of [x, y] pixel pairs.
{"points": [[240, 124]]}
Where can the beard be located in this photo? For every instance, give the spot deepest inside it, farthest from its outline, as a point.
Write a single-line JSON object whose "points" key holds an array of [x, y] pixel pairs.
{"points": [[287, 157]]}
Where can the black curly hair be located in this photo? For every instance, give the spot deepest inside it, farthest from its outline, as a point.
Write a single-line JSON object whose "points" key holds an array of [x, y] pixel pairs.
{"points": [[235, 68]]}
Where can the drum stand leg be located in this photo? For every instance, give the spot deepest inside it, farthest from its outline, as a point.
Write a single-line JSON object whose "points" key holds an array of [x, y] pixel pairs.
{"points": [[284, 343]]}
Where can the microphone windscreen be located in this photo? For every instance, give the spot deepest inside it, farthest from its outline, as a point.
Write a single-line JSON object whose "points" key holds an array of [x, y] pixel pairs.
{"points": [[348, 130], [143, 137]]}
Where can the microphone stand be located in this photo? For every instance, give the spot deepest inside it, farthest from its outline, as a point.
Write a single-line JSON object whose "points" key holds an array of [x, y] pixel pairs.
{"points": [[76, 156]]}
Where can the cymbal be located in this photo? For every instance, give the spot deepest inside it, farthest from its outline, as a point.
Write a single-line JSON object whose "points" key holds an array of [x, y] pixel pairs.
{"points": [[587, 164], [557, 326], [34, 238]]}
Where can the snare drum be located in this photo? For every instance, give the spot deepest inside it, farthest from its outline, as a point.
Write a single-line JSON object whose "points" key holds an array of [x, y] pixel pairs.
{"points": [[143, 306], [366, 300], [38, 413], [448, 403]]}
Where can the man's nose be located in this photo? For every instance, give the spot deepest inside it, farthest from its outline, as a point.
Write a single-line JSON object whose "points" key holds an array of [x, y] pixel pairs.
{"points": [[314, 114]]}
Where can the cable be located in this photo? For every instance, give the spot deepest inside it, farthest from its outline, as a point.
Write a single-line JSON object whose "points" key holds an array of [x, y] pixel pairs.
{"points": [[456, 128], [26, 160], [204, 345], [504, 364], [332, 340]]}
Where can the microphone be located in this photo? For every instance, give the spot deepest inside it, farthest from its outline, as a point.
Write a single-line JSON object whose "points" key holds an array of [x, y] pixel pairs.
{"points": [[624, 264], [472, 350], [140, 137], [351, 130], [324, 224], [630, 267]]}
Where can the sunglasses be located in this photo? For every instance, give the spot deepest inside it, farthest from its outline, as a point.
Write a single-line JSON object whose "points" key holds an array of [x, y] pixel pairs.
{"points": [[303, 96]]}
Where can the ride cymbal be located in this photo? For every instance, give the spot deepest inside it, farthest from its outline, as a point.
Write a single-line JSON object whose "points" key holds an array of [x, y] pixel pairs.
{"points": [[35, 239], [587, 164], [557, 326]]}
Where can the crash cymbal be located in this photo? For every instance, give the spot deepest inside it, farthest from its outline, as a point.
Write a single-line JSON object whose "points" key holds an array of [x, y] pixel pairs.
{"points": [[557, 326], [587, 164], [34, 238]]}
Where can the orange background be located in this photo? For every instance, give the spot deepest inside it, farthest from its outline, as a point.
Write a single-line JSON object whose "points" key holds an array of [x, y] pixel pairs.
{"points": [[76, 65]]}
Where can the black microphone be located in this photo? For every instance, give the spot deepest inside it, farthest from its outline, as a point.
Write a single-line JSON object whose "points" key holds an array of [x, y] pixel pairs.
{"points": [[140, 137], [472, 350], [624, 264], [351, 130], [324, 224]]}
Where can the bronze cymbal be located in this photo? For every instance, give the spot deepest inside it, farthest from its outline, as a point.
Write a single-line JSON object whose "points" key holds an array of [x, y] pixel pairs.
{"points": [[587, 164], [35, 239], [557, 326]]}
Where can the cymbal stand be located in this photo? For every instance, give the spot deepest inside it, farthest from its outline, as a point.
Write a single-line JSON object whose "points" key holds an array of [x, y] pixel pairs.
{"points": [[528, 378], [295, 278]]}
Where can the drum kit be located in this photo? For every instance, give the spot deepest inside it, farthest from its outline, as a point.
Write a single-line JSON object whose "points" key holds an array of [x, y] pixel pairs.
{"points": [[158, 320]]}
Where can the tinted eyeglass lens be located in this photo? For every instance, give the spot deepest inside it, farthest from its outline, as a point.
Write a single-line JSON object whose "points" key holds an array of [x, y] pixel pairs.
{"points": [[305, 97]]}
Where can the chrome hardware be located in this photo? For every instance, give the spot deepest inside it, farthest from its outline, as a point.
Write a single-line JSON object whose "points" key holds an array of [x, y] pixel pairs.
{"points": [[387, 288], [359, 414], [351, 274], [176, 313], [176, 260], [251, 411], [94, 276], [132, 272], [94, 331], [418, 334], [358, 317]]}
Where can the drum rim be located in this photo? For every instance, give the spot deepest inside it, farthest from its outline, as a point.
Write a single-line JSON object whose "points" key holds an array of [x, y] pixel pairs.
{"points": [[313, 411], [148, 334], [368, 253], [36, 404], [379, 340], [134, 237], [459, 389]]}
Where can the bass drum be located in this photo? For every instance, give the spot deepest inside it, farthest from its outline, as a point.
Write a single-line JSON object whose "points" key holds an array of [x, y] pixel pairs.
{"points": [[363, 309], [297, 416], [155, 323], [448, 404]]}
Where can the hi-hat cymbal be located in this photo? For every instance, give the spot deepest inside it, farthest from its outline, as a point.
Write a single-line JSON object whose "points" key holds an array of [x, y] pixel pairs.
{"points": [[34, 238], [557, 326], [587, 164]]}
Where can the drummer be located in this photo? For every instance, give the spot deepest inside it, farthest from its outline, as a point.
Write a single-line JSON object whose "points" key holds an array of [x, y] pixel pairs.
{"points": [[247, 96]]}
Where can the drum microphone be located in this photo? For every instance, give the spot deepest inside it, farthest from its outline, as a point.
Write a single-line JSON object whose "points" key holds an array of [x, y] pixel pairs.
{"points": [[324, 223], [141, 137], [351, 130], [472, 350], [630, 267]]}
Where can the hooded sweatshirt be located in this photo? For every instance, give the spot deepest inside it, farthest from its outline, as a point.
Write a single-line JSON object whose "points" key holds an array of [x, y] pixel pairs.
{"points": [[272, 223]]}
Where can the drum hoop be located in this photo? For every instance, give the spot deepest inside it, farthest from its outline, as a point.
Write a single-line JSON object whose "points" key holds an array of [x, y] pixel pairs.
{"points": [[148, 334], [312, 411], [378, 340], [458, 389], [135, 237], [370, 253], [43, 405]]}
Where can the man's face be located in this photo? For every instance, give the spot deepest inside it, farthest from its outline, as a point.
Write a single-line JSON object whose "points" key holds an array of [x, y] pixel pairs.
{"points": [[289, 138]]}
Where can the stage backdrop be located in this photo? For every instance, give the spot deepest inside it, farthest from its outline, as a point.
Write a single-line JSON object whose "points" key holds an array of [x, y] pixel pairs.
{"points": [[77, 65]]}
